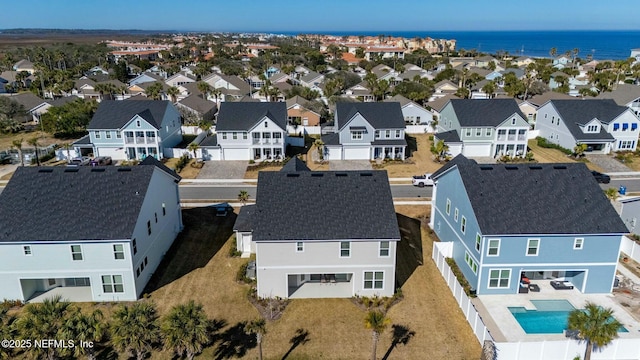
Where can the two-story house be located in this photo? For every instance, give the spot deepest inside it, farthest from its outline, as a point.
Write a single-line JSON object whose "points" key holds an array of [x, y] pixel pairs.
{"points": [[540, 221], [366, 131], [345, 247], [483, 128], [625, 95], [602, 125], [100, 235], [413, 113], [127, 130], [251, 130]]}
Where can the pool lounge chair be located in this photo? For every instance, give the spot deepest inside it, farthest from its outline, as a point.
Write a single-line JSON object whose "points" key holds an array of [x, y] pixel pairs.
{"points": [[561, 285]]}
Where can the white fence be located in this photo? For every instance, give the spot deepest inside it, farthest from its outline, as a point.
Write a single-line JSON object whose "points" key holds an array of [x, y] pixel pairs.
{"points": [[631, 248], [191, 130], [419, 129], [305, 130], [442, 250]]}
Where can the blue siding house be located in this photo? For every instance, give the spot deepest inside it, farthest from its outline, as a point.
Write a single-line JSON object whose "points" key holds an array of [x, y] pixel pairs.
{"points": [[540, 221]]}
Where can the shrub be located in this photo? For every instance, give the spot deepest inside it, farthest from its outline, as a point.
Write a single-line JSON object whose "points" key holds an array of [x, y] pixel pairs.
{"points": [[241, 275], [543, 143], [8, 304], [182, 162], [460, 276], [233, 252], [624, 157]]}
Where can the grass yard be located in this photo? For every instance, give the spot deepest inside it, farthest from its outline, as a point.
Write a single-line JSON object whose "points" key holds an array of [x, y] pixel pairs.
{"points": [[545, 155], [420, 162], [188, 172], [44, 139]]}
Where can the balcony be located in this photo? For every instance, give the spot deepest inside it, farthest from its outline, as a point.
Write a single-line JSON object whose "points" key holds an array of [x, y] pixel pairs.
{"points": [[139, 140], [128, 140], [256, 141], [151, 140], [522, 137], [511, 138], [502, 137]]}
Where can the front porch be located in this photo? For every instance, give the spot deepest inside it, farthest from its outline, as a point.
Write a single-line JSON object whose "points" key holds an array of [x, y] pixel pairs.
{"points": [[265, 153], [70, 289]]}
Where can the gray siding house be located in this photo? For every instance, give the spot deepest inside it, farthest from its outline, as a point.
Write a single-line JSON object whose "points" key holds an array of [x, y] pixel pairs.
{"points": [[345, 247], [100, 235], [483, 128]]}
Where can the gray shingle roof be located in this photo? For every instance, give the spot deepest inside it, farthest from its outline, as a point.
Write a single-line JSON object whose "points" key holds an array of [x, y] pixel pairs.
{"points": [[197, 103], [91, 203], [486, 112], [27, 99], [150, 160], [574, 113], [331, 139], [347, 205], [115, 114], [244, 221], [294, 165], [624, 94], [210, 141], [548, 198], [381, 115], [243, 116], [450, 136], [541, 99]]}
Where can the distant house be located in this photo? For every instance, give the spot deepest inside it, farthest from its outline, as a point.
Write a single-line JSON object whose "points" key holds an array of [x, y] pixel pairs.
{"points": [[24, 65], [530, 107], [146, 77], [443, 88], [108, 253], [312, 80], [198, 107], [514, 221], [353, 256], [230, 87], [299, 112], [30, 102], [251, 131], [413, 113], [132, 130], [625, 95], [602, 125], [180, 79], [483, 128], [360, 92], [366, 131]]}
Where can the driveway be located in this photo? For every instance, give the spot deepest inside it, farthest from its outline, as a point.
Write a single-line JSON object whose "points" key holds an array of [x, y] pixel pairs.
{"points": [[607, 163], [223, 170], [340, 165], [6, 169]]}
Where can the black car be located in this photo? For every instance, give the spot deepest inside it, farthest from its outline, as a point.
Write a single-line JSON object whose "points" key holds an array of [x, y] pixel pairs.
{"points": [[601, 178]]}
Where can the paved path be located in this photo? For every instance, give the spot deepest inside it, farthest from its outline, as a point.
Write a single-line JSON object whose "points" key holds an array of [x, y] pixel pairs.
{"points": [[340, 165], [6, 169], [223, 170], [607, 163]]}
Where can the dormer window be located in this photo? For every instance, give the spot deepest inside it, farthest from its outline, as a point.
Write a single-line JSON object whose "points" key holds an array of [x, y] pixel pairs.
{"points": [[593, 128]]}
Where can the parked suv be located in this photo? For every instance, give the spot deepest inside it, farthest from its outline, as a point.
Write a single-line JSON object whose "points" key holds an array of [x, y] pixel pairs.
{"points": [[81, 161], [601, 178], [5, 158]]}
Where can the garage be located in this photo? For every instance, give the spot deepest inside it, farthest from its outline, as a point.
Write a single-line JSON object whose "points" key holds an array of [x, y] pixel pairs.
{"points": [[236, 154], [357, 153], [115, 153], [476, 150], [332, 152]]}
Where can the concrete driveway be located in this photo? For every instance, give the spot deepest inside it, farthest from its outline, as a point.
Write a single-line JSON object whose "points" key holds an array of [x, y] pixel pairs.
{"points": [[339, 165], [223, 170], [608, 163]]}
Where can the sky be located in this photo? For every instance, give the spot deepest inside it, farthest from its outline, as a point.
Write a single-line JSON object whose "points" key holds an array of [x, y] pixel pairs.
{"points": [[322, 15]]}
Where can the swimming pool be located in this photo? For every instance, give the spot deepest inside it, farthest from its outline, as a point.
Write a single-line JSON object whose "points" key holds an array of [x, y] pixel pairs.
{"points": [[550, 317]]}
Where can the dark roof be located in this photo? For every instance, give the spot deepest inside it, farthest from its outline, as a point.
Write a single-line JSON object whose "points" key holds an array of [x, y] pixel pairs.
{"points": [[115, 114], [150, 160], [390, 142], [197, 103], [331, 139], [450, 136], [210, 141], [381, 115], [85, 140], [575, 113], [90, 203], [548, 198], [541, 99], [27, 99], [623, 94], [294, 165], [244, 221], [63, 100], [346, 205], [243, 116], [485, 112]]}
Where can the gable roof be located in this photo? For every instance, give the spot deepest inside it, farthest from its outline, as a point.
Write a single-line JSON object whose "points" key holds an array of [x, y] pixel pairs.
{"points": [[312, 75], [27, 99], [485, 112], [295, 164], [62, 101], [438, 104], [575, 113], [354, 205], [381, 115], [197, 103], [33, 191], [549, 198], [541, 99], [624, 94], [113, 114], [243, 116], [150, 160]]}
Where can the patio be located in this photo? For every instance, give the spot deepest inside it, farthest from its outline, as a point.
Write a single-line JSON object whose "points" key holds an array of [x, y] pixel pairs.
{"points": [[69, 293]]}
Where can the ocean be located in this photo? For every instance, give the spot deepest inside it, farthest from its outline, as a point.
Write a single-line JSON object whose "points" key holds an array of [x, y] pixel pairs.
{"points": [[611, 45]]}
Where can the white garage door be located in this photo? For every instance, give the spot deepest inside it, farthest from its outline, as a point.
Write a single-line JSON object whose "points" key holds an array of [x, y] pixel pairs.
{"points": [[477, 150], [333, 153], [115, 153], [357, 153], [236, 154]]}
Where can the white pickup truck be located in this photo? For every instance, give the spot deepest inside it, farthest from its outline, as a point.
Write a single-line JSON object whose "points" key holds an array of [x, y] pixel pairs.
{"points": [[422, 180]]}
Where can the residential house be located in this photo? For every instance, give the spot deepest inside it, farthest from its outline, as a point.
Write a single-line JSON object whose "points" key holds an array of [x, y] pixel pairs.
{"points": [[542, 222], [602, 125], [14, 81], [360, 92], [443, 88], [346, 247], [47, 104], [625, 95], [530, 106], [383, 52], [366, 131], [251, 131], [312, 80], [230, 87], [179, 78], [24, 65], [132, 130], [561, 62], [100, 235], [30, 102], [146, 77], [197, 107], [436, 105], [299, 112], [413, 113], [628, 207], [483, 128], [484, 61]]}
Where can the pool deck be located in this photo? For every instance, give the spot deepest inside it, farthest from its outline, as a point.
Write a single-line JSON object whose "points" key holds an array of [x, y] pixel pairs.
{"points": [[504, 327]]}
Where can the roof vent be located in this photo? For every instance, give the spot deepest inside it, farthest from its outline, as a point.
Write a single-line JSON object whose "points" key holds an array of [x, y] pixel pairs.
{"points": [[317, 174], [293, 175], [366, 174], [341, 174], [124, 169], [560, 167], [74, 170], [97, 169], [511, 167], [486, 167], [45, 170], [535, 167]]}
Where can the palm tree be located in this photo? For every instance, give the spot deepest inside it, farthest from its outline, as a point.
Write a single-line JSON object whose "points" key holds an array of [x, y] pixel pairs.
{"points": [[320, 148], [7, 331], [204, 88], [34, 142], [243, 196], [489, 89], [18, 145], [595, 325], [67, 146], [259, 328], [553, 52], [44, 321], [88, 329], [611, 193], [135, 329], [173, 93], [377, 321], [185, 329], [439, 149], [194, 147], [154, 91]]}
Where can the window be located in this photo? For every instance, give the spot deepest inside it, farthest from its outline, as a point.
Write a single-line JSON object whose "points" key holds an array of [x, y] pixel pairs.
{"points": [[234, 135], [345, 249], [634, 127], [532, 247], [156, 215], [149, 227], [499, 279], [463, 224], [468, 132], [137, 272], [377, 134], [118, 135], [472, 264], [118, 251], [146, 261], [494, 247], [478, 132], [625, 127], [224, 136], [577, 243], [76, 252], [397, 134], [373, 279], [626, 144], [164, 209], [387, 134], [478, 242], [592, 128], [513, 121], [356, 135], [266, 124], [299, 246], [488, 132], [384, 249], [27, 250], [108, 134], [96, 134], [616, 127], [52, 282], [448, 207], [138, 123], [112, 284], [135, 246], [455, 214], [244, 136]]}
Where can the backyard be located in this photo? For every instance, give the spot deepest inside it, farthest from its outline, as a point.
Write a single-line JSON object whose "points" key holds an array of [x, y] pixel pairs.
{"points": [[547, 155]]}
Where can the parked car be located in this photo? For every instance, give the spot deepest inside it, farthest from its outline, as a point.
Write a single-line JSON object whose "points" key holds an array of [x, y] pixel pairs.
{"points": [[5, 158], [601, 178], [81, 161], [422, 180], [101, 161]]}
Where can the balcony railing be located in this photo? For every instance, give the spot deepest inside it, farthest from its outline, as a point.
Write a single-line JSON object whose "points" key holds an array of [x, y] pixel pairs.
{"points": [[256, 141], [151, 140], [128, 140], [139, 140], [511, 138], [522, 138], [502, 137]]}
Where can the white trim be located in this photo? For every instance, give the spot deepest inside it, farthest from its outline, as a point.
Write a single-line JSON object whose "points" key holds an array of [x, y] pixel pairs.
{"points": [[526, 253], [33, 274], [327, 266], [448, 207], [299, 249], [499, 273], [25, 248], [478, 244], [489, 247], [463, 225], [380, 249], [451, 227], [564, 265], [81, 253], [373, 280], [455, 214], [340, 250], [575, 242]]}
